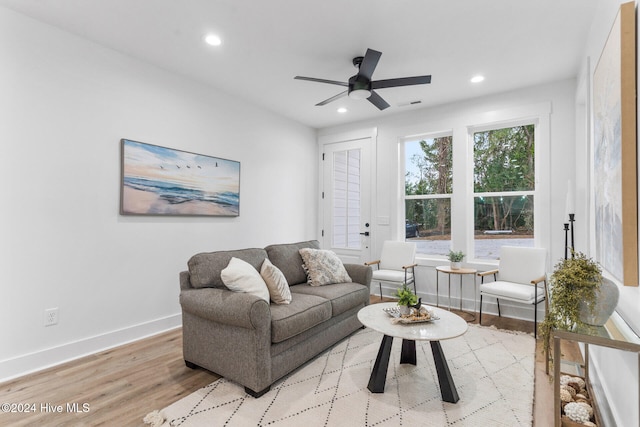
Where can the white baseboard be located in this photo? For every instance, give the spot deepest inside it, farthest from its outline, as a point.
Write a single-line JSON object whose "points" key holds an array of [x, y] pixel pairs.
{"points": [[37, 361]]}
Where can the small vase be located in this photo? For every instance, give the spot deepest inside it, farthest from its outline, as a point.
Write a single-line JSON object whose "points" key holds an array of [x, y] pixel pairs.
{"points": [[456, 265], [606, 301], [404, 310]]}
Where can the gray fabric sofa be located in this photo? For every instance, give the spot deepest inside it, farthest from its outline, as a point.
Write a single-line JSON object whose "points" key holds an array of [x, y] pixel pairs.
{"points": [[247, 340]]}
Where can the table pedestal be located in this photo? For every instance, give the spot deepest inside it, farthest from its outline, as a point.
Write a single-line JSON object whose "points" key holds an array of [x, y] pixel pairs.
{"points": [[378, 377]]}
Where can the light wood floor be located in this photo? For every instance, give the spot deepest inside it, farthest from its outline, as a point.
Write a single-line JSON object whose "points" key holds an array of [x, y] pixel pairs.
{"points": [[122, 385]]}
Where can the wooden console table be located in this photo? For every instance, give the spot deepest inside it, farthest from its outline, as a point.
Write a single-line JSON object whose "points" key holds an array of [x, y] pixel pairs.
{"points": [[605, 336]]}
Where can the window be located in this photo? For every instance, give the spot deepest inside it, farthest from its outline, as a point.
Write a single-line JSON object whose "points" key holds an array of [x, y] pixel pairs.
{"points": [[428, 189], [504, 187], [493, 203]]}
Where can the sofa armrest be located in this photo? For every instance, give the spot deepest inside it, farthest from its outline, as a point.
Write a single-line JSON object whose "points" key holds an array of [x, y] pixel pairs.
{"points": [[226, 307], [185, 282], [359, 273]]}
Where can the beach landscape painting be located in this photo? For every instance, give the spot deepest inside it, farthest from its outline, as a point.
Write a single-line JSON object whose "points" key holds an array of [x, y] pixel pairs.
{"points": [[164, 181]]}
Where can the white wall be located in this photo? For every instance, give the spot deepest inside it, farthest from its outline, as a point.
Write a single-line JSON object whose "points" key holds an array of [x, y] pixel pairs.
{"points": [[557, 99], [616, 373], [64, 105]]}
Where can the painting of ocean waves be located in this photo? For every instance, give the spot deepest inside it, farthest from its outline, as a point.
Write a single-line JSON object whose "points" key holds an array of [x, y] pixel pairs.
{"points": [[163, 181], [175, 194]]}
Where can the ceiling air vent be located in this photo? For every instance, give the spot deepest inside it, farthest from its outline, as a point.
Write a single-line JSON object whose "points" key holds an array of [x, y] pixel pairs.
{"points": [[406, 104]]}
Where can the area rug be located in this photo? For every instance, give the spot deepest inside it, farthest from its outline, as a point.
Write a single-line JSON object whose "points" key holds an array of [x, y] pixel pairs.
{"points": [[493, 371]]}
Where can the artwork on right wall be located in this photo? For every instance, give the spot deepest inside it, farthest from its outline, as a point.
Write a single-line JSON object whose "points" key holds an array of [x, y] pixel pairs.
{"points": [[615, 155]]}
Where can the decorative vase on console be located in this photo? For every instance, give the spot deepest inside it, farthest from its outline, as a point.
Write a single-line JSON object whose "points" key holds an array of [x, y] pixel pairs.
{"points": [[577, 287], [606, 300]]}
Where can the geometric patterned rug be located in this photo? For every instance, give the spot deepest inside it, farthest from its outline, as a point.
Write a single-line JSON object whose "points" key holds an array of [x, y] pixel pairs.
{"points": [[493, 371]]}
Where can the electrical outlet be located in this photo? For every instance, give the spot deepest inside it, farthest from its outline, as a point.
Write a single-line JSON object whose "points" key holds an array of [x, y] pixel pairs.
{"points": [[51, 316]]}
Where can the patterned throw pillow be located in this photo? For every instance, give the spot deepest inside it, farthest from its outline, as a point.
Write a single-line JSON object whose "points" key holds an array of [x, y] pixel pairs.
{"points": [[277, 284], [323, 267], [240, 276]]}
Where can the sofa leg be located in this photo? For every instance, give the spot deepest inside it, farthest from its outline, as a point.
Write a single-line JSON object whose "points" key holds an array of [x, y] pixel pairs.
{"points": [[191, 365], [256, 394]]}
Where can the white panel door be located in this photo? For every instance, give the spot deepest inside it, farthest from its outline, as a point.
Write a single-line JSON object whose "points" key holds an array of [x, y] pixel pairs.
{"points": [[346, 199]]}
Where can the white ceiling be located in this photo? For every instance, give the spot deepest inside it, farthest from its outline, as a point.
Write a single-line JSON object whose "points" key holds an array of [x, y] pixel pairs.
{"points": [[514, 43]]}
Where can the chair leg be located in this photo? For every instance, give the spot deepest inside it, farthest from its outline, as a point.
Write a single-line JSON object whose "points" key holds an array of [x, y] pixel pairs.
{"points": [[498, 301], [480, 319], [535, 320], [380, 284]]}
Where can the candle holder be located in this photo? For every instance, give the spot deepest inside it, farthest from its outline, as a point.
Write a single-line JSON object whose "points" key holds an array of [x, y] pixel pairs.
{"points": [[566, 239], [572, 219]]}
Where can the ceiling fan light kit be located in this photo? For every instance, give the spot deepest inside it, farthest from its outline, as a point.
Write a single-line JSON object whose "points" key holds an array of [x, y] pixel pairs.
{"points": [[361, 86], [359, 94]]}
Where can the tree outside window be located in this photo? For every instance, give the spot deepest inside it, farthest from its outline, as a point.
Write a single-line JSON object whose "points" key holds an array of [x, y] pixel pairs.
{"points": [[504, 186], [428, 188], [503, 191]]}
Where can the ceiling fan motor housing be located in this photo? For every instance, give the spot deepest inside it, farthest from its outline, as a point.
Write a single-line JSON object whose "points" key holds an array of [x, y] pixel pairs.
{"points": [[359, 83]]}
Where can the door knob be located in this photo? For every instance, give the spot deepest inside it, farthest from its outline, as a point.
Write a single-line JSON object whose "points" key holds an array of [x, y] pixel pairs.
{"points": [[366, 233]]}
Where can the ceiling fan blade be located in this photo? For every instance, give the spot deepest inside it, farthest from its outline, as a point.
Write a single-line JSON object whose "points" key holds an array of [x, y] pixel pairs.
{"points": [[333, 98], [403, 81], [313, 79], [377, 100], [369, 63]]}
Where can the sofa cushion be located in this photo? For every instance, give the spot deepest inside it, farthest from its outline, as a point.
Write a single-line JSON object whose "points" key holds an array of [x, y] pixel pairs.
{"points": [[287, 258], [205, 267], [276, 283], [304, 312], [343, 296], [323, 267], [240, 276]]}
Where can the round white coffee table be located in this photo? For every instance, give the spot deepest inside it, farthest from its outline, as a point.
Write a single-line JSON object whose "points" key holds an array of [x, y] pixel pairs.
{"points": [[449, 326]]}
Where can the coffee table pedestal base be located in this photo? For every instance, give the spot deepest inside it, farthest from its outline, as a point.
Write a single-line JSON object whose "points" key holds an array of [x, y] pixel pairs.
{"points": [[378, 377], [447, 386]]}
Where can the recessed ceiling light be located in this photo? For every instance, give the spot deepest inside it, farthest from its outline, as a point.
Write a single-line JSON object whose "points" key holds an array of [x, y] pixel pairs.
{"points": [[213, 40], [477, 79], [342, 110]]}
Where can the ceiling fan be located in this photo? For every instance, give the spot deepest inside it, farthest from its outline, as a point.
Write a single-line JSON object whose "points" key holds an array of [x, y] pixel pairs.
{"points": [[361, 86]]}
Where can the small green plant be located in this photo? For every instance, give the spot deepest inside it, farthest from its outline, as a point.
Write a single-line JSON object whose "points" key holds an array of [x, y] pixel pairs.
{"points": [[406, 296], [573, 280], [456, 256]]}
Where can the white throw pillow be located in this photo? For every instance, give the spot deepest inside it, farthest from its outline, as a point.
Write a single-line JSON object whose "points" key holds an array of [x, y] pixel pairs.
{"points": [[323, 267], [240, 276], [276, 283]]}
